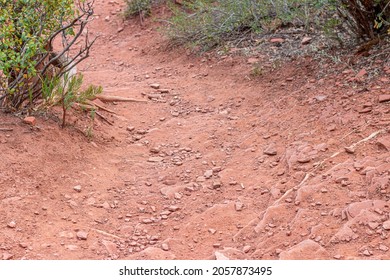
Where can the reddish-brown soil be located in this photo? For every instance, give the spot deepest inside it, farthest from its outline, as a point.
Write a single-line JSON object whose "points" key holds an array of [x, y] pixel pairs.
{"points": [[218, 165]]}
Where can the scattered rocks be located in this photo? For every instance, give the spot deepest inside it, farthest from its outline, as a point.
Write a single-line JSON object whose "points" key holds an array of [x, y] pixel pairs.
{"points": [[66, 234], [303, 159], [384, 142], [72, 247], [350, 149], [217, 185], [367, 253], [276, 40], [373, 225], [307, 249], [229, 253], [252, 60], [147, 221], [155, 159], [200, 179], [82, 235], [306, 40], [165, 246], [155, 86], [106, 205], [337, 257], [383, 248], [7, 256], [155, 150], [169, 181], [239, 206], [208, 174], [332, 127], [270, 150], [111, 247], [153, 253], [386, 225], [320, 98], [77, 188], [246, 249], [384, 98], [173, 208], [361, 73], [30, 120], [11, 224], [219, 256], [365, 110]]}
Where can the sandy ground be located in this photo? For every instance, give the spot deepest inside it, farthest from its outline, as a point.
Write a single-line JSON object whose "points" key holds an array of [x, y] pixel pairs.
{"points": [[215, 164]]}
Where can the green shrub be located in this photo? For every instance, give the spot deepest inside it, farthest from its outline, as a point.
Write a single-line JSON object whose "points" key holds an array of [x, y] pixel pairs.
{"points": [[28, 29]]}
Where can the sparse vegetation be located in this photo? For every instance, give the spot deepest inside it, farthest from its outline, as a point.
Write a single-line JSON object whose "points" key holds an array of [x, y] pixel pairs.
{"points": [[138, 7], [207, 24], [141, 8], [67, 91], [212, 23]]}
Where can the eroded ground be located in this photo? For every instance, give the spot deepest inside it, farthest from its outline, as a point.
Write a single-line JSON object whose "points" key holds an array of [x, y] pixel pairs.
{"points": [[216, 163]]}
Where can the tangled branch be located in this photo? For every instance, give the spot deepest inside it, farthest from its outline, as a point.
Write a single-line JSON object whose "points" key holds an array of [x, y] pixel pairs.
{"points": [[22, 86]]}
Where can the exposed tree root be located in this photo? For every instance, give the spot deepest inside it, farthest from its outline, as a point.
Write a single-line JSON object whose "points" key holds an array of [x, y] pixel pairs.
{"points": [[106, 98]]}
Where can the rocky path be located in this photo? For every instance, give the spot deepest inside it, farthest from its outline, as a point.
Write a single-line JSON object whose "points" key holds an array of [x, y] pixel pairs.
{"points": [[214, 165]]}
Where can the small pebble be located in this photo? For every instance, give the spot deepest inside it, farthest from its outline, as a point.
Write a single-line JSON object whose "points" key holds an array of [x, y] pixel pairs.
{"points": [[165, 246], [82, 235]]}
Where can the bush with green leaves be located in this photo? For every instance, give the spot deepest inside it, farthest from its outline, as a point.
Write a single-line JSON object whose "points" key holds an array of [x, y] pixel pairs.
{"points": [[28, 56]]}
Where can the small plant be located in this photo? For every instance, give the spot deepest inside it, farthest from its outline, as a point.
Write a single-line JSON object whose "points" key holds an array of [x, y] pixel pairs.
{"points": [[141, 8], [67, 91], [256, 71], [138, 8], [89, 129]]}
